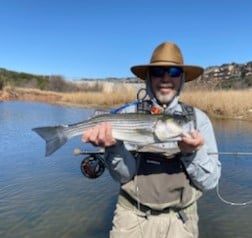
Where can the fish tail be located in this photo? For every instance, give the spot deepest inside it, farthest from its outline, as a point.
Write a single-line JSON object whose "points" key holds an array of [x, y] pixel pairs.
{"points": [[55, 137]]}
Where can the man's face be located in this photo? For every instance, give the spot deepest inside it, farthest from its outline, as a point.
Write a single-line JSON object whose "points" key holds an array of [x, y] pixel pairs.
{"points": [[165, 82]]}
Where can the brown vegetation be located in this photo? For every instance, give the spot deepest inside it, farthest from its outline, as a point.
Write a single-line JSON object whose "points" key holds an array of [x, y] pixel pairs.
{"points": [[104, 99], [223, 103]]}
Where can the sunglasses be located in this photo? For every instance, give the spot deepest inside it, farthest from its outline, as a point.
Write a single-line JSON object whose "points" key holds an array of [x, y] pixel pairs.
{"points": [[159, 72]]}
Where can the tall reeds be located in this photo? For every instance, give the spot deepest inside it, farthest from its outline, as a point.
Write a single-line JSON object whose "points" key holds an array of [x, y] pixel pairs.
{"points": [[95, 99], [221, 103]]}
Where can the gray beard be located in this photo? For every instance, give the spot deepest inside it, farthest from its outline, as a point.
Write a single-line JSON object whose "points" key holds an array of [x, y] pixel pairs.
{"points": [[165, 99]]}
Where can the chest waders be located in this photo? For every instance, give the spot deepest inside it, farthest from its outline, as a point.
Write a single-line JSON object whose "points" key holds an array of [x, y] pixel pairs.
{"points": [[161, 184]]}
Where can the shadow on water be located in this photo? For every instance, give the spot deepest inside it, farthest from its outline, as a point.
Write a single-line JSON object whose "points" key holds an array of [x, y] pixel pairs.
{"points": [[49, 197]]}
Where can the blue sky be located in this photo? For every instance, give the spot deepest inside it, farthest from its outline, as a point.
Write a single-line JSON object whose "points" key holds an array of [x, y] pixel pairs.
{"points": [[104, 38]]}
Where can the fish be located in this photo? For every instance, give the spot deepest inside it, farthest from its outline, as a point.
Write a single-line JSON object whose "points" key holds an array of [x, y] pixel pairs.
{"points": [[134, 128]]}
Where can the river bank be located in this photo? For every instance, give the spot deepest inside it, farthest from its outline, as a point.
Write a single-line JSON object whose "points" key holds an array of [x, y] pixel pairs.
{"points": [[236, 104]]}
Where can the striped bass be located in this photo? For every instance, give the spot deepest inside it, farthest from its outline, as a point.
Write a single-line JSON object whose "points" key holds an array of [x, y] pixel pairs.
{"points": [[134, 128]]}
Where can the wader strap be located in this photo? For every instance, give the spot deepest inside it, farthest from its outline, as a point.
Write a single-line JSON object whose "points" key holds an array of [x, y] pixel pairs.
{"points": [[144, 106], [189, 112]]}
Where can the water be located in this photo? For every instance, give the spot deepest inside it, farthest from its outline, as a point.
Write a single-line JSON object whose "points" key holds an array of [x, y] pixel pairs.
{"points": [[217, 218], [49, 197]]}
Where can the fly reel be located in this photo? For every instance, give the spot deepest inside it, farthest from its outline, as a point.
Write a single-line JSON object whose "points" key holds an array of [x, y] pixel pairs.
{"points": [[92, 166]]}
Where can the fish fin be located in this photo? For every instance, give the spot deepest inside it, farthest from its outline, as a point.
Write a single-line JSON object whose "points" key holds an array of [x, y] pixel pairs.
{"points": [[53, 136]]}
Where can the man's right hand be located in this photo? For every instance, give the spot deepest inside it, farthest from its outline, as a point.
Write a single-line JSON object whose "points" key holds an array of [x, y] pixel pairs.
{"points": [[100, 135]]}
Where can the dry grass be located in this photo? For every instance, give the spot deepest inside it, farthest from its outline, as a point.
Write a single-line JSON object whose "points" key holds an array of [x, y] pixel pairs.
{"points": [[229, 103], [98, 99], [26, 94], [111, 95], [85, 99], [225, 104]]}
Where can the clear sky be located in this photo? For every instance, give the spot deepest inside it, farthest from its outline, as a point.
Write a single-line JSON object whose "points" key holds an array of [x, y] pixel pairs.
{"points": [[104, 38]]}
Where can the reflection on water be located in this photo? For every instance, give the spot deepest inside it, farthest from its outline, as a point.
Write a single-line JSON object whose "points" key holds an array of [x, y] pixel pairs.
{"points": [[49, 197]]}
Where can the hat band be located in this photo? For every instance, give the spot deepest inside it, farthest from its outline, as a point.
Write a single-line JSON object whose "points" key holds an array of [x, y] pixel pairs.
{"points": [[165, 61]]}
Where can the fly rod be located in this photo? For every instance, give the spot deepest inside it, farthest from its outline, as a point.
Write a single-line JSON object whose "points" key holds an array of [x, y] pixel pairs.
{"points": [[231, 153], [94, 166]]}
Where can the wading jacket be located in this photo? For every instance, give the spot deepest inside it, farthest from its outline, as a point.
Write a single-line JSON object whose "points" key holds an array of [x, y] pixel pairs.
{"points": [[160, 182]]}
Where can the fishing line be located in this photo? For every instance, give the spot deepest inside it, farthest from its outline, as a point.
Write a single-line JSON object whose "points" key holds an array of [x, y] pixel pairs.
{"points": [[229, 202], [218, 187], [237, 153]]}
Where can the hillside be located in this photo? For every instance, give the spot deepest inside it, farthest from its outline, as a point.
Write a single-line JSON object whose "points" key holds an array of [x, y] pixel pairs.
{"points": [[226, 76]]}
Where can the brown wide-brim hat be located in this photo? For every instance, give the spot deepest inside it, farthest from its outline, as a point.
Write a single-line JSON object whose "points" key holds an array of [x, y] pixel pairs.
{"points": [[168, 54]]}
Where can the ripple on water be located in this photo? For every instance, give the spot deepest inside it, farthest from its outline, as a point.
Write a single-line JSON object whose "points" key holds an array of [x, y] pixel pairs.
{"points": [[49, 197]]}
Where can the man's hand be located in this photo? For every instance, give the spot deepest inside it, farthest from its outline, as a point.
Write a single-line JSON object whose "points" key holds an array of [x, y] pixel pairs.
{"points": [[100, 135], [191, 143]]}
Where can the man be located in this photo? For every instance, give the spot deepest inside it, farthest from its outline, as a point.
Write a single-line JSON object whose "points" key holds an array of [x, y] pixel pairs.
{"points": [[158, 194]]}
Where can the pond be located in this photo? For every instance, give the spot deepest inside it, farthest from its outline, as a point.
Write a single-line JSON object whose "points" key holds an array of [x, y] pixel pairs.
{"points": [[49, 197]]}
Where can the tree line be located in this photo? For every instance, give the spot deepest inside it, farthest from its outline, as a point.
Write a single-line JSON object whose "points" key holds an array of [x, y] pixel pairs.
{"points": [[57, 83]]}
